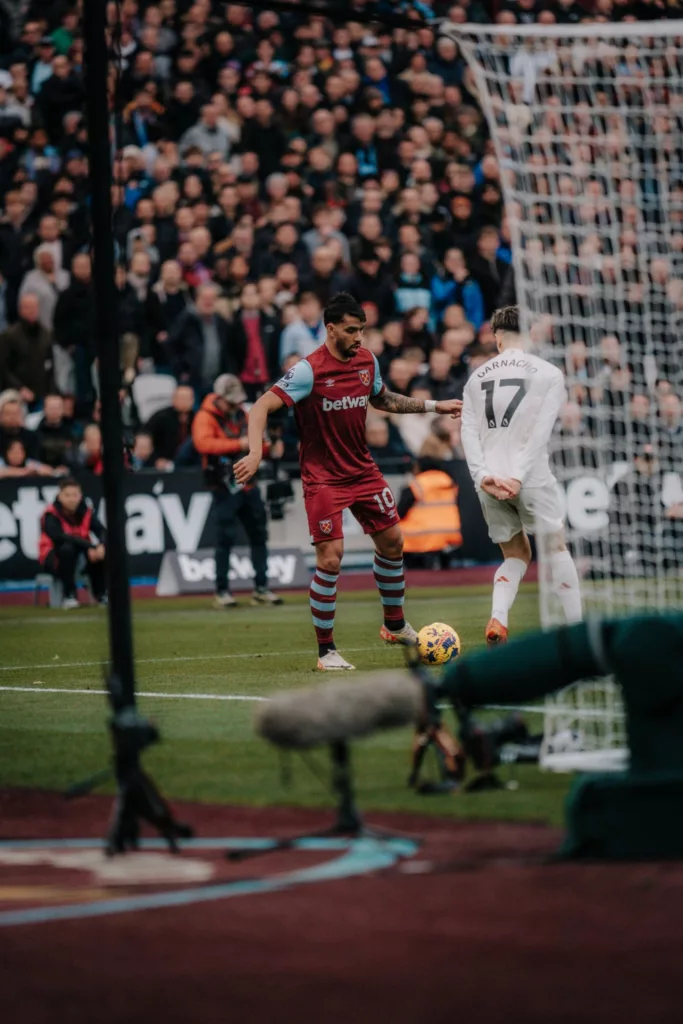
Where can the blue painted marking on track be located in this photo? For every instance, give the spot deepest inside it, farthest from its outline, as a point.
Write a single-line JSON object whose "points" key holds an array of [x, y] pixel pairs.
{"points": [[359, 857]]}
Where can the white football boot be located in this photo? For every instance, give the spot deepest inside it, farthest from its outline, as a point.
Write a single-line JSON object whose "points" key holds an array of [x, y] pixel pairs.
{"points": [[333, 662], [225, 600], [265, 596], [70, 603], [406, 636]]}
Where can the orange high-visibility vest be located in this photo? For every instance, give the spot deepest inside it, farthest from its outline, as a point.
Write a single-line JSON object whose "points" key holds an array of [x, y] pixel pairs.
{"points": [[433, 522]]}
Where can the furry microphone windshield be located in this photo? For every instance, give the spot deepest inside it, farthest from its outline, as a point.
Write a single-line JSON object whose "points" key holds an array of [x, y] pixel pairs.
{"points": [[341, 711]]}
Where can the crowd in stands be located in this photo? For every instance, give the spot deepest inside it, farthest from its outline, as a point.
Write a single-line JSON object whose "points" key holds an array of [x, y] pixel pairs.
{"points": [[265, 161]]}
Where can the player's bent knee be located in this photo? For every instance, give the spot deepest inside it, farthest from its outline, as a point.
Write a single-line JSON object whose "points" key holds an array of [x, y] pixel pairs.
{"points": [[329, 564], [394, 552], [389, 543], [519, 547], [328, 556]]}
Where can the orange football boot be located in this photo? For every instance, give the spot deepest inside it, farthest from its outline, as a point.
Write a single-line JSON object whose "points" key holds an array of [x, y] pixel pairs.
{"points": [[496, 633]]}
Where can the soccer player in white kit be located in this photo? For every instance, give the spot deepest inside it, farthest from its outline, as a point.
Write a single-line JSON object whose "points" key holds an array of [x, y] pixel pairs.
{"points": [[510, 405]]}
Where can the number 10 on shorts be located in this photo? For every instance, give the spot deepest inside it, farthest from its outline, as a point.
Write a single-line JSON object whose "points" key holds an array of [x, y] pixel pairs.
{"points": [[385, 500]]}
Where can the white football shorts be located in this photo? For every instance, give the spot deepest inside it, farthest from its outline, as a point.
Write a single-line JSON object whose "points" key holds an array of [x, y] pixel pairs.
{"points": [[536, 510]]}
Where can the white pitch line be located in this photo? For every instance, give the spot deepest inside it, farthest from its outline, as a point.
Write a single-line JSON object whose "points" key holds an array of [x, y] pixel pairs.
{"points": [[217, 696], [160, 661], [169, 696]]}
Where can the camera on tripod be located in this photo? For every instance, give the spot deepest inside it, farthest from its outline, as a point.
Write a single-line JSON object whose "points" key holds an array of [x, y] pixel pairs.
{"points": [[278, 493]]}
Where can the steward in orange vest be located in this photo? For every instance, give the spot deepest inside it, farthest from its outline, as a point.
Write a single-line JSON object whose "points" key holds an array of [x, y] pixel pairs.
{"points": [[428, 509]]}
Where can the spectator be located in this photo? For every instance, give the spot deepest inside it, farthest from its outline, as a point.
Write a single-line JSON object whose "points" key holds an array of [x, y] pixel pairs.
{"points": [[455, 342], [174, 299], [16, 463], [286, 248], [46, 283], [26, 353], [322, 231], [89, 453], [386, 445], [640, 411], [327, 279], [670, 433], [262, 136], [415, 428], [13, 237], [439, 379], [572, 444], [54, 433], [139, 308], [142, 454], [5, 304], [488, 270], [412, 291], [371, 283], [457, 286], [171, 429], [255, 343], [199, 344], [307, 332], [401, 376], [60, 94], [74, 333], [12, 426]]}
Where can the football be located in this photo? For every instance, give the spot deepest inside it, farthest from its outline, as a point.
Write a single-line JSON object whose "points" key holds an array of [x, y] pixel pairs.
{"points": [[438, 644]]}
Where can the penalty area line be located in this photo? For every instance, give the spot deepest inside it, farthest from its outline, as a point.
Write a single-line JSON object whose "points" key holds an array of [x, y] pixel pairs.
{"points": [[141, 693], [164, 661]]}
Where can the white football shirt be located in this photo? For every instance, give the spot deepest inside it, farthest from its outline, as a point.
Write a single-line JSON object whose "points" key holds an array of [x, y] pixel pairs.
{"points": [[510, 405]]}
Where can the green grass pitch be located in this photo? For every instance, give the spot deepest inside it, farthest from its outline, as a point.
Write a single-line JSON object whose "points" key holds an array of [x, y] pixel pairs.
{"points": [[209, 752]]}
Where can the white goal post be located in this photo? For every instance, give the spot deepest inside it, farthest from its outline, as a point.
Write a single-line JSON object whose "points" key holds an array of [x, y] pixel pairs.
{"points": [[587, 125]]}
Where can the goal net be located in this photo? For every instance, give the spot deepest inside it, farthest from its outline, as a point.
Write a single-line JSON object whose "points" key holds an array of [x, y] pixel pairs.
{"points": [[587, 126]]}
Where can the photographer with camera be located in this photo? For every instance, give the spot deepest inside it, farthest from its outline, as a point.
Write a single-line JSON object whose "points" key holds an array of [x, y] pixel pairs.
{"points": [[219, 433]]}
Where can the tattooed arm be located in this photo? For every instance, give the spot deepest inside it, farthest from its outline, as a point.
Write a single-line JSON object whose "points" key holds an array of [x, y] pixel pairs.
{"points": [[389, 401]]}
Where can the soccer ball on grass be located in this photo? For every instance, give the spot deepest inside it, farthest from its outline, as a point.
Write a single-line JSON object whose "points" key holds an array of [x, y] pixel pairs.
{"points": [[438, 644]]}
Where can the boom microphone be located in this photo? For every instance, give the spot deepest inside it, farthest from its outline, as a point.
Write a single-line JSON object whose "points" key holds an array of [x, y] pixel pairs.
{"points": [[341, 711]]}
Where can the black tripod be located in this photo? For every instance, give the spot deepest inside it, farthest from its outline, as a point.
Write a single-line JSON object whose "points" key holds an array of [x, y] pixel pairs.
{"points": [[349, 822]]}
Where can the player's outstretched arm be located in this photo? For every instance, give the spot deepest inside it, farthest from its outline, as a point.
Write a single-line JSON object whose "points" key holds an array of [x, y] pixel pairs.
{"points": [[389, 401], [258, 417]]}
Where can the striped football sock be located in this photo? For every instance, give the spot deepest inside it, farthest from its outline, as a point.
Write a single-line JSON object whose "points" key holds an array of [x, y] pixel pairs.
{"points": [[323, 601], [392, 587]]}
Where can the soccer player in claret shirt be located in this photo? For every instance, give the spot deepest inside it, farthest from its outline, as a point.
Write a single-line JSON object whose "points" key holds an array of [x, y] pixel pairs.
{"points": [[330, 392]]}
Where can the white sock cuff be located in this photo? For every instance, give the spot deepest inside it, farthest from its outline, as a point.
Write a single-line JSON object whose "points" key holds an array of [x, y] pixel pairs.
{"points": [[560, 557], [512, 567]]}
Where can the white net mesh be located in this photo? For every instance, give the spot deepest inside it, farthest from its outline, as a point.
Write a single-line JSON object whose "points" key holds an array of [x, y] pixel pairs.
{"points": [[587, 125]]}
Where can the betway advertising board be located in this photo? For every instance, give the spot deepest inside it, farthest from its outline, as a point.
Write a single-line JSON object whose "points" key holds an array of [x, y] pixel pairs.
{"points": [[169, 522], [185, 573], [168, 518]]}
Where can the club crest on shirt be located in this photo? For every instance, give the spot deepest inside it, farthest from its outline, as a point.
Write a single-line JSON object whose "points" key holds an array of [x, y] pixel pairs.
{"points": [[364, 377], [325, 525]]}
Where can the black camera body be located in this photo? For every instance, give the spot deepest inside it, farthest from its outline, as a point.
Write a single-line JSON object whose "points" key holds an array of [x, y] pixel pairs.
{"points": [[278, 493]]}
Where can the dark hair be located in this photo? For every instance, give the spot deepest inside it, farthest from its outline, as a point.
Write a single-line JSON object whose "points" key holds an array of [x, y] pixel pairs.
{"points": [[68, 481], [342, 305], [506, 319]]}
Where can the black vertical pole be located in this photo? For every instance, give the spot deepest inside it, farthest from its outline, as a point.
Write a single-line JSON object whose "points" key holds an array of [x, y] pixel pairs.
{"points": [[122, 686], [137, 799]]}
